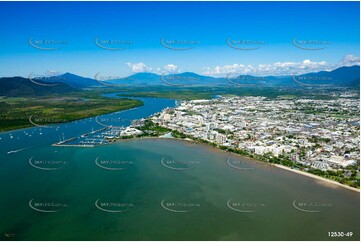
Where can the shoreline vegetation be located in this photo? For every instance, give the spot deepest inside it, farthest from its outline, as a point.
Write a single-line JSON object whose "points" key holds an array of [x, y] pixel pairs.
{"points": [[153, 130], [317, 177], [18, 113], [61, 108]]}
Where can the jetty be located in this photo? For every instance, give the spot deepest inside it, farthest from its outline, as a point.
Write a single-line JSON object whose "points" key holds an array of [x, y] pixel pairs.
{"points": [[87, 140]]}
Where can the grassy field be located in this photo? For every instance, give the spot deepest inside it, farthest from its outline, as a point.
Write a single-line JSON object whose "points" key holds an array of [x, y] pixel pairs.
{"points": [[15, 112]]}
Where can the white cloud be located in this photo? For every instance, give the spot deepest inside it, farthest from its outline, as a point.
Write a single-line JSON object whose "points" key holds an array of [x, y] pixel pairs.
{"points": [[168, 69], [171, 69], [52, 73], [274, 69], [139, 67], [224, 70], [350, 60], [277, 68]]}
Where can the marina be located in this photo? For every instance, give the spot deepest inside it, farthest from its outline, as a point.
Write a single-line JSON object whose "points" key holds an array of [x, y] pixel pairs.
{"points": [[141, 170], [91, 139]]}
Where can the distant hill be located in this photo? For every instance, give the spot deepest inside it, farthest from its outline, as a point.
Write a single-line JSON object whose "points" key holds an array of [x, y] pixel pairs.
{"points": [[24, 87], [142, 78], [192, 79], [18, 86], [180, 79], [341, 77], [76, 81]]}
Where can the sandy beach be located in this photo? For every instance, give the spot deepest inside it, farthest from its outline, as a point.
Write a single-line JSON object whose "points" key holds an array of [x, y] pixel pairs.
{"points": [[316, 177], [321, 179]]}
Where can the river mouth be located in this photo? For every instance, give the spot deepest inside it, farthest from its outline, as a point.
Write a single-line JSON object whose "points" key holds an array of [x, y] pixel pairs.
{"points": [[190, 188], [195, 192]]}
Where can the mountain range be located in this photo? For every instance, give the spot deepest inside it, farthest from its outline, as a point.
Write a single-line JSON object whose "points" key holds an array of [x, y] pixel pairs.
{"points": [[343, 76], [25, 87], [19, 86]]}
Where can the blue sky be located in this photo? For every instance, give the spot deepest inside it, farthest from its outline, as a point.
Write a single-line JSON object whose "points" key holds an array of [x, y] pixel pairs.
{"points": [[139, 26]]}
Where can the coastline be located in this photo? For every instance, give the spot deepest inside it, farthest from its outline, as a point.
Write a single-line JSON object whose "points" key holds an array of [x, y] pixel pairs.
{"points": [[318, 178], [29, 125], [304, 173], [315, 177]]}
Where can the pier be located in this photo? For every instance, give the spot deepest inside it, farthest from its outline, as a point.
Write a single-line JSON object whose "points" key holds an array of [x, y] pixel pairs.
{"points": [[88, 140]]}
